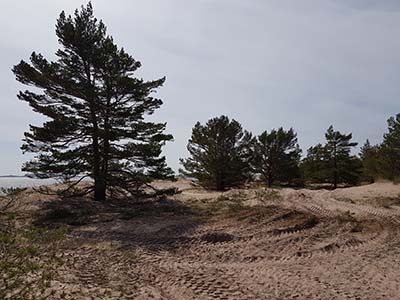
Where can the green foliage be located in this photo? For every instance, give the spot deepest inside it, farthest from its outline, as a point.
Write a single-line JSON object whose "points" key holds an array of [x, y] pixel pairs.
{"points": [[314, 165], [46, 235], [390, 150], [220, 153], [29, 258], [371, 157], [95, 108], [383, 160], [276, 156], [332, 162]]}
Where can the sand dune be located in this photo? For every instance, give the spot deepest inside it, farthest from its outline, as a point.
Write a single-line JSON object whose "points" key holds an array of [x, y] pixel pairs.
{"points": [[241, 244]]}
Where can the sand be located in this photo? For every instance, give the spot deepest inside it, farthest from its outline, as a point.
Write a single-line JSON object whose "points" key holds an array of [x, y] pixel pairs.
{"points": [[283, 244]]}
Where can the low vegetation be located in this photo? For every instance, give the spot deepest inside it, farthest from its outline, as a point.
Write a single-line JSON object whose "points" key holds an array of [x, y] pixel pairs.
{"points": [[8, 197], [29, 260]]}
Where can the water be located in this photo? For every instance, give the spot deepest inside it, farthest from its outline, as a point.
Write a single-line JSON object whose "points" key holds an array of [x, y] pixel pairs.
{"points": [[7, 182]]}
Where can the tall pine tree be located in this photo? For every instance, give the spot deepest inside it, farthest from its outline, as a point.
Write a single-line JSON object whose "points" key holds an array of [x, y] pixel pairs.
{"points": [[343, 166], [95, 108], [390, 149], [220, 153], [332, 162]]}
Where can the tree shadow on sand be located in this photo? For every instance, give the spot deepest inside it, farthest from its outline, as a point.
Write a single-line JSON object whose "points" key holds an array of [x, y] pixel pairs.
{"points": [[150, 224]]}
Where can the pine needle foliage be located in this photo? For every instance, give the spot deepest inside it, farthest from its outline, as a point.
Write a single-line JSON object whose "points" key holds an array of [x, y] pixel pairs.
{"points": [[95, 109]]}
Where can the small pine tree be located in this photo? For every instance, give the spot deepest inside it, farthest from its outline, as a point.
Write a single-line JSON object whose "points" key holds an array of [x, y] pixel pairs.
{"points": [[95, 109], [220, 152], [314, 165], [276, 156]]}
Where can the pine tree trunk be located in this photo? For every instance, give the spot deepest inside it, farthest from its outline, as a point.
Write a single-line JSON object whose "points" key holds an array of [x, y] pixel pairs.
{"points": [[335, 172], [335, 180], [220, 185], [100, 188], [335, 175], [269, 182], [269, 179], [219, 182], [98, 174]]}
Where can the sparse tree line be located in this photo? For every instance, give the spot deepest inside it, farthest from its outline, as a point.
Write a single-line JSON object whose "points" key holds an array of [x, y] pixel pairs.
{"points": [[96, 128], [223, 155]]}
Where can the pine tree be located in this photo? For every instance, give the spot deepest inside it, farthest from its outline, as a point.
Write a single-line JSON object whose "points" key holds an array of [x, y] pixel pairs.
{"points": [[220, 152], [95, 109], [390, 150], [370, 156], [277, 155], [315, 165], [341, 163], [333, 161]]}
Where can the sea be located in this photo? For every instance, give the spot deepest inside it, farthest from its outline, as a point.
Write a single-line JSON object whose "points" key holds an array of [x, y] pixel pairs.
{"points": [[7, 182]]}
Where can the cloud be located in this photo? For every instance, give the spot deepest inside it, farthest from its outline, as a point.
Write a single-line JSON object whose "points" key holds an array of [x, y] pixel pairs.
{"points": [[382, 5], [302, 64]]}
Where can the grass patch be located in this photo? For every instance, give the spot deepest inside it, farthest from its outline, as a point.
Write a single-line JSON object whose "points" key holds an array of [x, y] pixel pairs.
{"points": [[28, 260], [46, 235]]}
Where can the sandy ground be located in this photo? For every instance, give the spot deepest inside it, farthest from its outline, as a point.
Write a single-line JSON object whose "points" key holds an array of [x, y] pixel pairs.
{"points": [[244, 244]]}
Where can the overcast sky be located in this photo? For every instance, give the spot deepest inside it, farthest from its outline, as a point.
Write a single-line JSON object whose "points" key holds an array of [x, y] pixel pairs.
{"points": [[304, 64]]}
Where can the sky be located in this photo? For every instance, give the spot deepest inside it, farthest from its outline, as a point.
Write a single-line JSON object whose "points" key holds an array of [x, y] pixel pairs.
{"points": [[304, 64]]}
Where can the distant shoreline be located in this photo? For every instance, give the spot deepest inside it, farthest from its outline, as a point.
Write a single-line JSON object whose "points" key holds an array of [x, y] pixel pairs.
{"points": [[23, 181], [13, 176]]}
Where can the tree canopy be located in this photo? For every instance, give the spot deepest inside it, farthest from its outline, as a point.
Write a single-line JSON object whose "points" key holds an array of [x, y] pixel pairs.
{"points": [[333, 161], [95, 109], [220, 153], [277, 155], [389, 153], [370, 156]]}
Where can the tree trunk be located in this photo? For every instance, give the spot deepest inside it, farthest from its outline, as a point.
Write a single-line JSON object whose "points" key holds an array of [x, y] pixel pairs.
{"points": [[99, 179], [335, 172], [100, 188], [220, 185], [335, 180], [219, 182], [270, 180]]}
